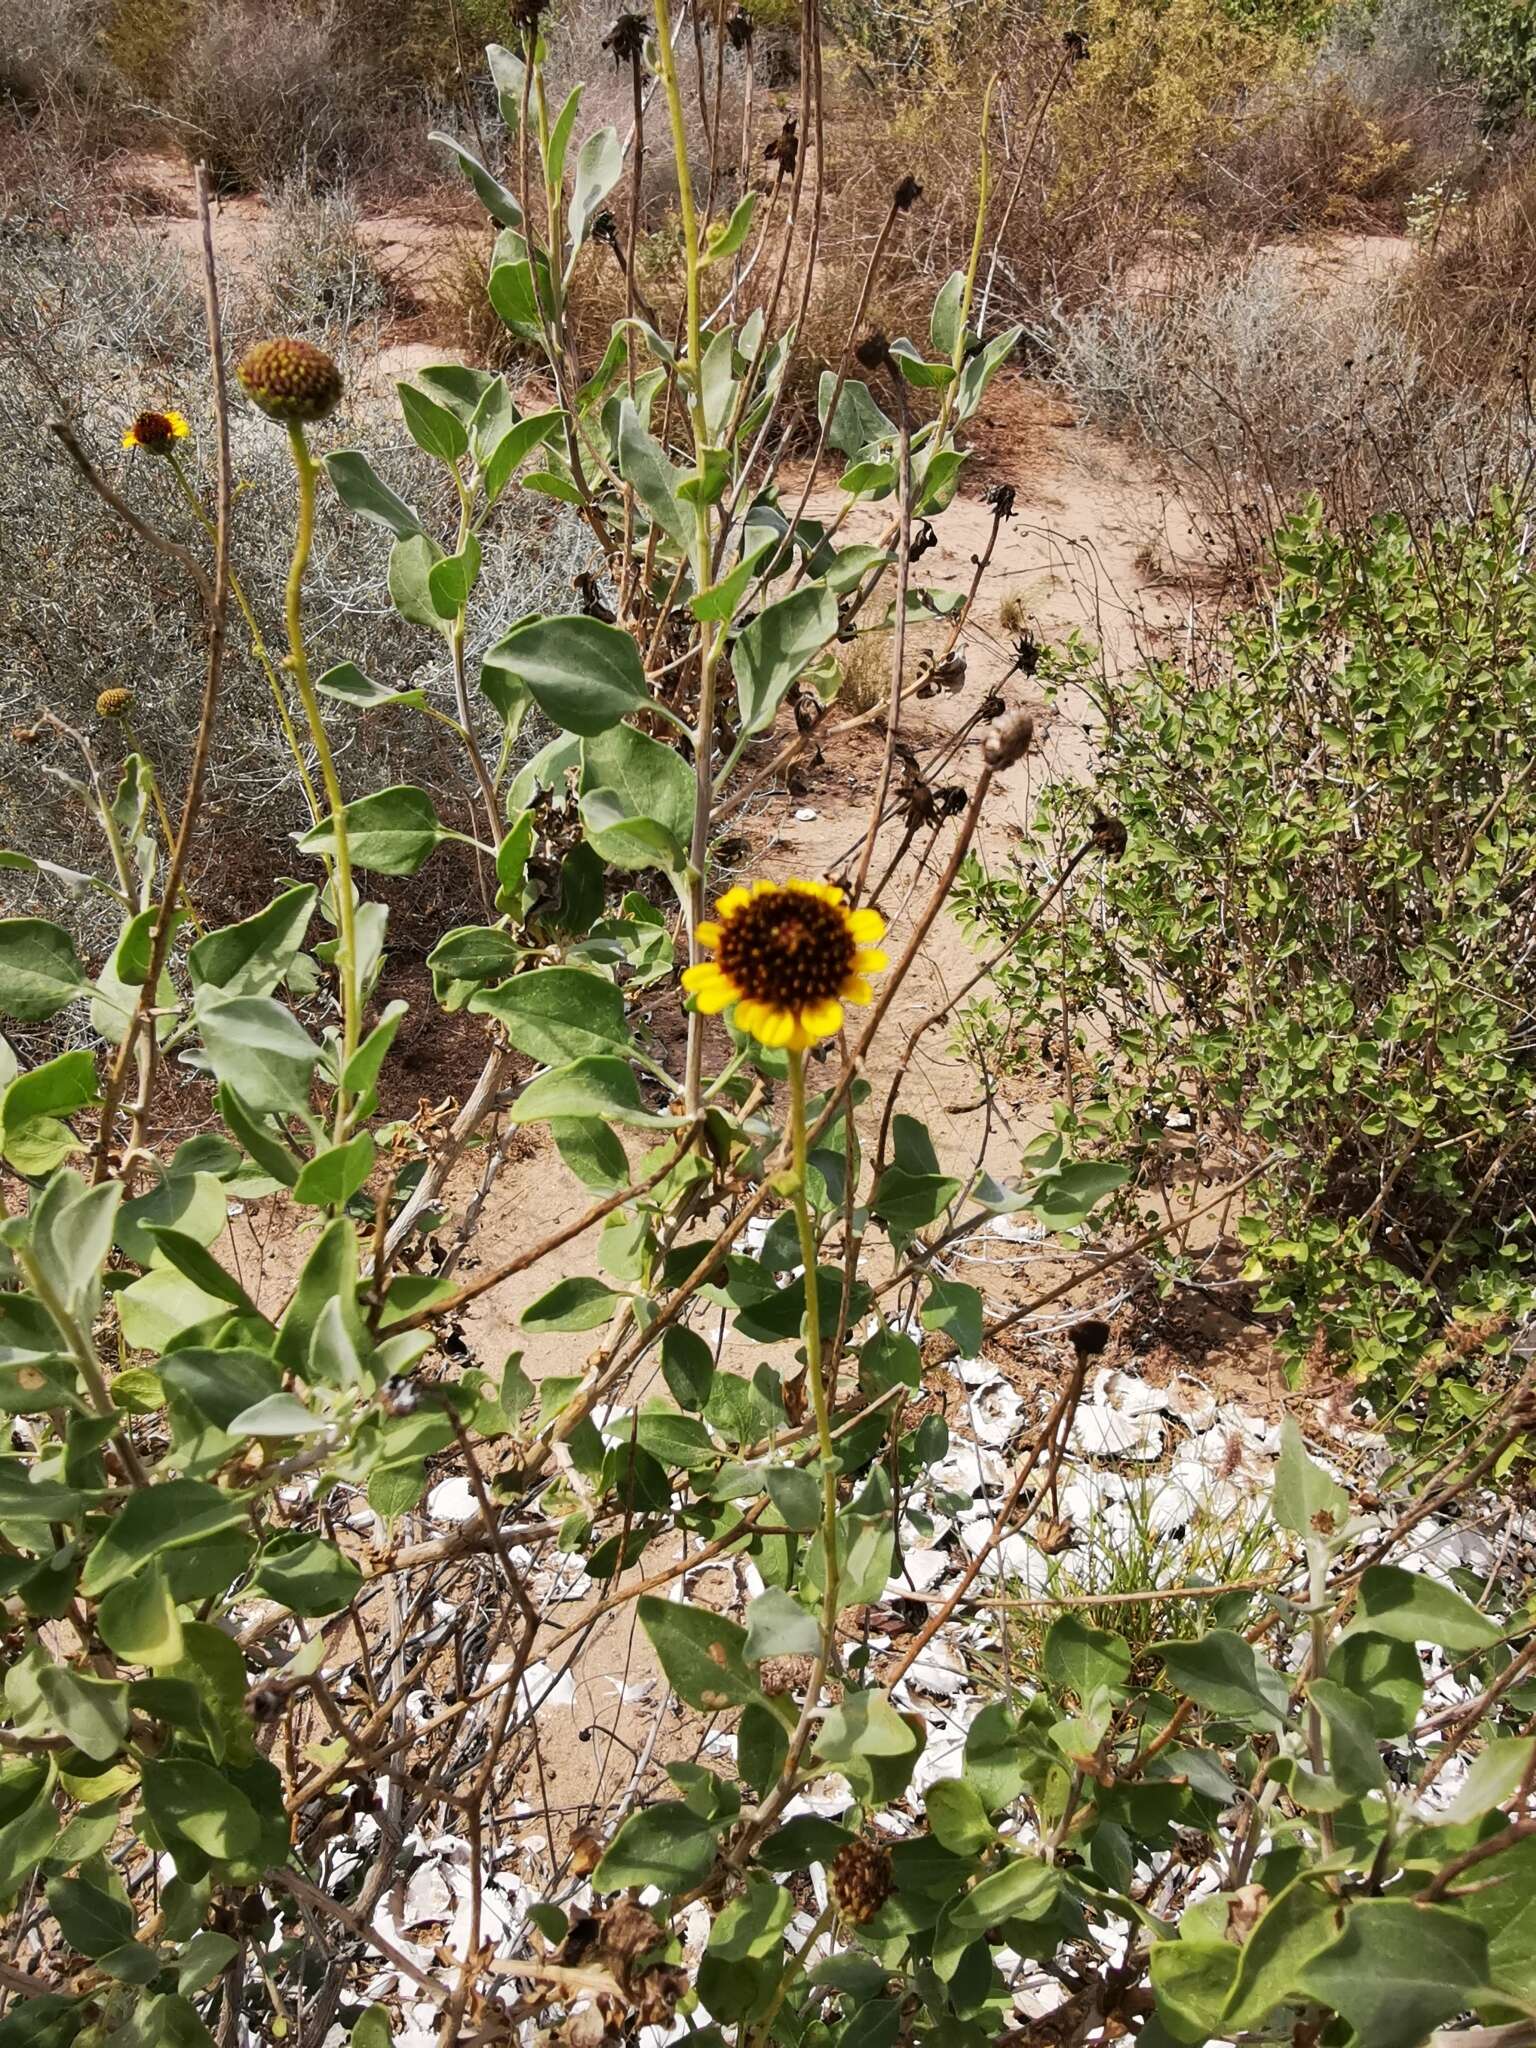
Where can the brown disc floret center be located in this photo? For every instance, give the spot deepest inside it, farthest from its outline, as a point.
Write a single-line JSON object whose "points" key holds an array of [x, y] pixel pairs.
{"points": [[787, 948]]}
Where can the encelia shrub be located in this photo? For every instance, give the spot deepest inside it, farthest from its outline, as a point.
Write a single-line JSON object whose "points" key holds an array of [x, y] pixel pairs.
{"points": [[1315, 950]]}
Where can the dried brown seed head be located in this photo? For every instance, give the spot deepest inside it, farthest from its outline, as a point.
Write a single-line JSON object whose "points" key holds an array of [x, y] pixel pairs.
{"points": [[290, 380], [861, 1880]]}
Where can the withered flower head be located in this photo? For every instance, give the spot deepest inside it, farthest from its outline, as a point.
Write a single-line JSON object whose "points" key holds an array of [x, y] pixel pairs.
{"points": [[290, 380], [526, 14], [114, 703], [1108, 835], [625, 41], [907, 194], [1075, 43], [1089, 1338], [1026, 654], [1000, 497], [784, 150], [861, 1880], [739, 26], [924, 539], [874, 351], [1008, 741]]}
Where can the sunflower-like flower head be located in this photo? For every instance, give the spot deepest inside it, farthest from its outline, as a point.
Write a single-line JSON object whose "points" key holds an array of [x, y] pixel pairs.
{"points": [[156, 432], [290, 380], [789, 955]]}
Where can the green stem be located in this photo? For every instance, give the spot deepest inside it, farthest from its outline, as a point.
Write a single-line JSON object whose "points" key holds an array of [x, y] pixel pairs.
{"points": [[298, 667], [86, 1362], [259, 647], [813, 1359]]}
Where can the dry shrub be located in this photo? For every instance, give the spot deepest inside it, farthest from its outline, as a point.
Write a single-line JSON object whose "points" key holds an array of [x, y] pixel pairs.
{"points": [[1471, 294], [49, 52], [866, 671], [266, 91]]}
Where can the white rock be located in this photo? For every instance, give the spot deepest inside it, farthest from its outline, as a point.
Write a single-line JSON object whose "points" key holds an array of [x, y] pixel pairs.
{"points": [[428, 1896], [940, 1668], [1107, 1433], [996, 1414], [974, 1372], [805, 815], [968, 1469], [1115, 1389], [452, 1500], [1193, 1405]]}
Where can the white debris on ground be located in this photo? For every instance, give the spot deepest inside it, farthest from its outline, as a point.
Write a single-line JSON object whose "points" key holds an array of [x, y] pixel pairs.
{"points": [[1156, 1486]]}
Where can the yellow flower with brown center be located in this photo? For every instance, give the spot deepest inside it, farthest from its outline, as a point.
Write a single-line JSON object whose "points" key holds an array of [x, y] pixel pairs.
{"points": [[789, 955], [156, 432]]}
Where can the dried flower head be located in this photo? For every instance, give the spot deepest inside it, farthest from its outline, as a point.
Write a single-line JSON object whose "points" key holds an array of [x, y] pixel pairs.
{"points": [[625, 40], [1000, 498], [1089, 1337], [290, 380], [1008, 741], [1108, 835], [114, 703], [1075, 43], [156, 432], [1026, 654], [861, 1880], [526, 14], [907, 194], [788, 955], [1054, 1534], [874, 351], [739, 26], [784, 150]]}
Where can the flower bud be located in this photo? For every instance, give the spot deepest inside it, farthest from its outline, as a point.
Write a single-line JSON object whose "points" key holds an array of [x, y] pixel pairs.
{"points": [[114, 703], [290, 380]]}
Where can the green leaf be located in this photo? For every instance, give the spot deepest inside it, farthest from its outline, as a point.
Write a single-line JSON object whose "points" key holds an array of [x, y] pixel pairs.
{"points": [[576, 1303], [515, 446], [584, 1088], [391, 832], [1353, 1758], [1398, 1970], [411, 563], [498, 202], [364, 492], [777, 647], [371, 2029], [1227, 1677], [40, 972], [1413, 1609], [1385, 1677], [362, 1070], [46, 1698], [346, 684], [1306, 1500], [599, 166], [200, 1804], [557, 1014], [451, 581], [585, 675], [71, 1229], [433, 427], [33, 1135], [751, 1924], [138, 1619], [625, 840], [858, 421], [721, 599], [261, 1050], [957, 1817], [1069, 1197], [1083, 1660], [251, 958], [164, 1303], [944, 327], [169, 1516], [307, 1575], [191, 1203], [333, 1176], [665, 1844], [726, 237], [90, 1919], [702, 1654], [651, 779], [593, 1153], [1295, 1926], [954, 1309], [655, 482], [778, 1626], [795, 1494], [978, 373]]}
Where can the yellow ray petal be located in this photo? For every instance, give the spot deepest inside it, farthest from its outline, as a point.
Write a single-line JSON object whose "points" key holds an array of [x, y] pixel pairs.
{"points": [[775, 1027], [868, 960], [750, 1014], [824, 1019], [856, 990], [708, 934], [866, 926], [732, 901]]}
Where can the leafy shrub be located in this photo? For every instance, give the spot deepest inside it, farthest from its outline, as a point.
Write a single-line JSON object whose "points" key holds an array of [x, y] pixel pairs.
{"points": [[1313, 950]]}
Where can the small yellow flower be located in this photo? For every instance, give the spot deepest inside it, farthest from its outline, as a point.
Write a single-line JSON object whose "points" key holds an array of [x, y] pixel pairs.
{"points": [[788, 955], [158, 432]]}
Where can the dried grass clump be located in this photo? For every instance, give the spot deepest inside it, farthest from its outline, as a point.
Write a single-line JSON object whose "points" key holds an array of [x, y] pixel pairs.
{"points": [[1471, 295]]}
